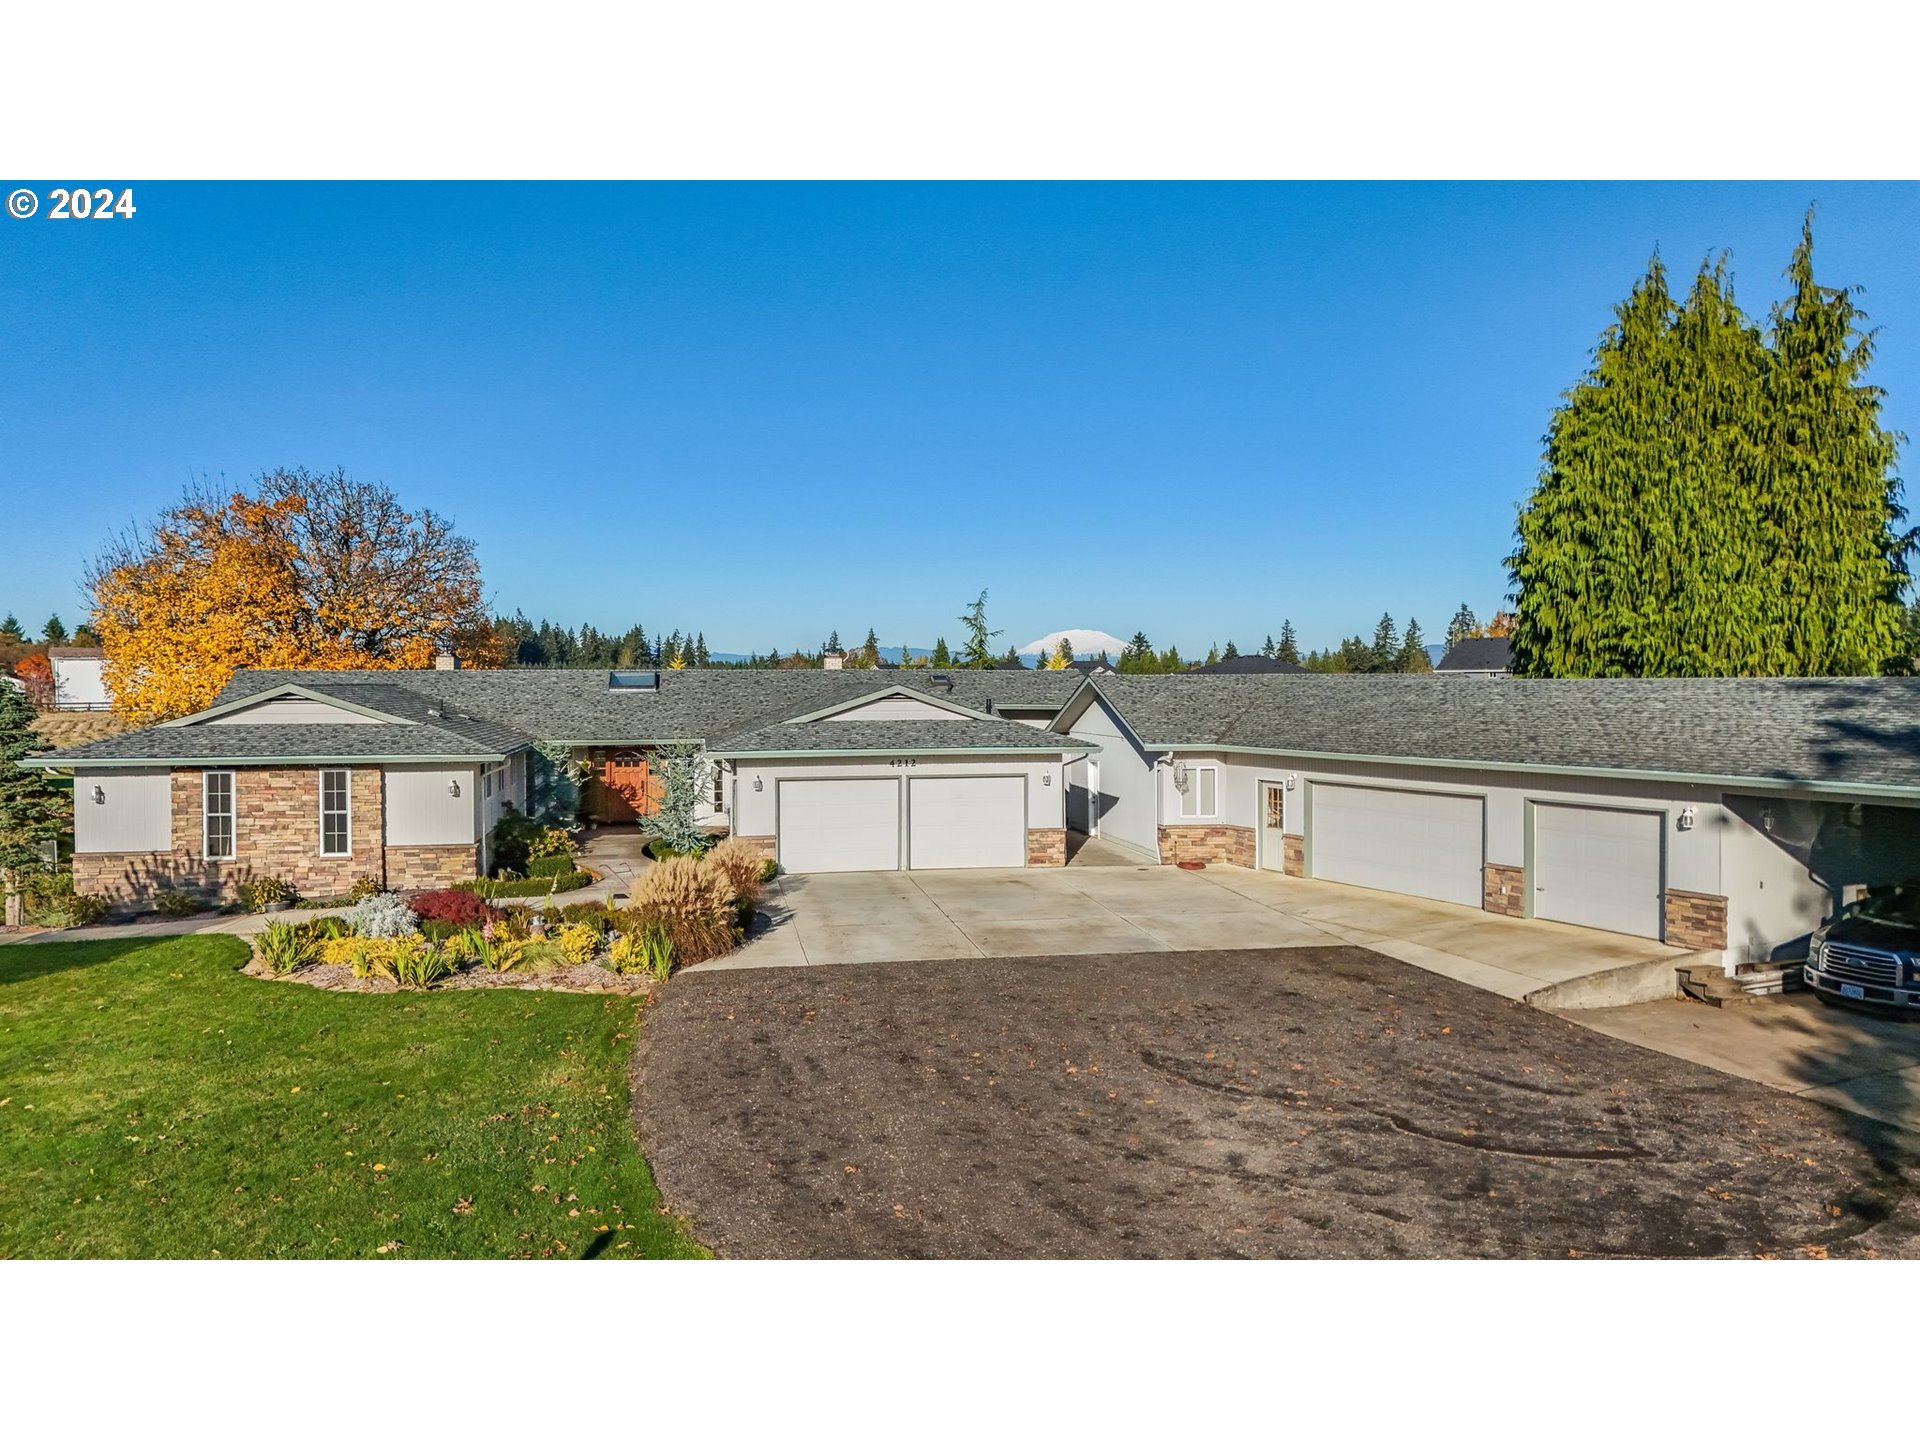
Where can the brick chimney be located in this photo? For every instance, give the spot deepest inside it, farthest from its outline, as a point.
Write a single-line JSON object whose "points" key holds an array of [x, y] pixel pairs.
{"points": [[446, 660], [833, 660]]}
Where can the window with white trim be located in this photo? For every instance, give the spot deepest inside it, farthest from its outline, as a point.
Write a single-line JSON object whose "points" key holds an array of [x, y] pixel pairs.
{"points": [[336, 812], [216, 815], [1200, 800]]}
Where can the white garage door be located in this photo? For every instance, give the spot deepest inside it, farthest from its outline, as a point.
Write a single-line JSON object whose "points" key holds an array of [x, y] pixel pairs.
{"points": [[966, 823], [1410, 841], [839, 825], [1596, 867]]}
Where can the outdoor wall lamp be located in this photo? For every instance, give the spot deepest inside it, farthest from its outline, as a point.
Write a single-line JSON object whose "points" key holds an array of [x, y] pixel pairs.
{"points": [[1292, 780], [1047, 778], [758, 784], [1179, 774], [453, 788], [99, 795], [1685, 822]]}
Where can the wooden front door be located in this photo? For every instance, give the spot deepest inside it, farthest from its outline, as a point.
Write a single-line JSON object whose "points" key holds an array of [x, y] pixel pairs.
{"points": [[625, 787]]}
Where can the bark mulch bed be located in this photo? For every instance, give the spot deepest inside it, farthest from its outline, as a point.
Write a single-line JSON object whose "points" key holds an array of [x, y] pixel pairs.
{"points": [[1324, 1102]]}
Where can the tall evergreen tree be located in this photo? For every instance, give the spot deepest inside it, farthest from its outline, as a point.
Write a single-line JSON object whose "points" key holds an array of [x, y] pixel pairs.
{"points": [[54, 632], [700, 655], [1833, 493], [941, 655], [32, 812], [978, 651], [10, 629], [1716, 502], [1413, 658], [1213, 655], [1231, 652], [1464, 625], [1385, 650], [1288, 649], [1062, 654], [1266, 647]]}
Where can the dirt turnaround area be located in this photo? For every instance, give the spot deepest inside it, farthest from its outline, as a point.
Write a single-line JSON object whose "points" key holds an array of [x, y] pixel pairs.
{"points": [[1301, 1102]]}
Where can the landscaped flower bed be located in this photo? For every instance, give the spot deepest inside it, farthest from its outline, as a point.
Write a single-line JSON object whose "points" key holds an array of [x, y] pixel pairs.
{"points": [[682, 912]]}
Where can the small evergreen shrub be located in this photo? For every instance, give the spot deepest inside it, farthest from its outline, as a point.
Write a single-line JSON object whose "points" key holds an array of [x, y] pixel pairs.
{"points": [[363, 887], [381, 917], [526, 889], [264, 890], [547, 866], [578, 943], [85, 909]]}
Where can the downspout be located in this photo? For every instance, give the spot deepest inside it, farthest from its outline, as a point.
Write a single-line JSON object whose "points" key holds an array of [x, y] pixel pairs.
{"points": [[1166, 760]]}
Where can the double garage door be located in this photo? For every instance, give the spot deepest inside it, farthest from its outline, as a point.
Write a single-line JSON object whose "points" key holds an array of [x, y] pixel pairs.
{"points": [[917, 822], [1592, 865]]}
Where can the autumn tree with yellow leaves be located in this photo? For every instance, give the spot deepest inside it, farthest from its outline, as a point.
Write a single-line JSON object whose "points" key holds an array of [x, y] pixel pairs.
{"points": [[305, 571]]}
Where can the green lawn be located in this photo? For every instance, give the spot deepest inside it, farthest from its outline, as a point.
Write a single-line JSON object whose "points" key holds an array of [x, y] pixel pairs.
{"points": [[154, 1102]]}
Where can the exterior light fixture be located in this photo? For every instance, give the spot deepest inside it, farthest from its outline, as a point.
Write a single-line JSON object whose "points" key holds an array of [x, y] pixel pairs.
{"points": [[1292, 780], [1766, 819], [1047, 778], [758, 784], [1685, 822], [1179, 774], [99, 795], [453, 788]]}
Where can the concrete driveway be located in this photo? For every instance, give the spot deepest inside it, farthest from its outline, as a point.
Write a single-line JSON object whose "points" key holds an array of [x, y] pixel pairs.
{"points": [[1118, 909]]}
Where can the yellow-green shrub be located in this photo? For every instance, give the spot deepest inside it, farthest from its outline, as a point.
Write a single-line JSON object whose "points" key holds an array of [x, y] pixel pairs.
{"points": [[579, 942]]}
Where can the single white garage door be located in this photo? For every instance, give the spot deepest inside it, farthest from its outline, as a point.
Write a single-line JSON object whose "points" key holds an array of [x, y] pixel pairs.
{"points": [[1413, 842], [839, 825], [966, 822], [1597, 867]]}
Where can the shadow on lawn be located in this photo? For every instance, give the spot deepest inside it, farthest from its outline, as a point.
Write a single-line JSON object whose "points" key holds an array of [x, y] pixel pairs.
{"points": [[33, 962]]}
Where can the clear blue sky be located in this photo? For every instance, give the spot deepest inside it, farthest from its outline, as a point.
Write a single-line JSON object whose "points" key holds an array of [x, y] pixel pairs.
{"points": [[767, 411]]}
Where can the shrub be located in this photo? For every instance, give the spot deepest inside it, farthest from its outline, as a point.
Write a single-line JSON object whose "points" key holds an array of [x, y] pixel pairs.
{"points": [[511, 840], [381, 917], [547, 866], [411, 962], [741, 864], [285, 948], [265, 890], [522, 889], [552, 843], [51, 900], [577, 942], [328, 927], [769, 868], [363, 887], [591, 913], [461, 907], [85, 909], [693, 903], [648, 950], [542, 955], [177, 904]]}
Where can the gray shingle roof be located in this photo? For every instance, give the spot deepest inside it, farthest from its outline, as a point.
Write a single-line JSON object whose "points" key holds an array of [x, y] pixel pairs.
{"points": [[1488, 652], [1863, 732], [576, 707], [253, 744], [1249, 665], [875, 736]]}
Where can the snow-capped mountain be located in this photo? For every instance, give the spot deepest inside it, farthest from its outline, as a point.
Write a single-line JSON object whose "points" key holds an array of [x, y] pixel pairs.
{"points": [[1086, 643]]}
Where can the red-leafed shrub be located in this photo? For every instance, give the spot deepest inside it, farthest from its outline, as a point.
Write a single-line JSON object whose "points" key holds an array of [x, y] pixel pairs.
{"points": [[460, 907]]}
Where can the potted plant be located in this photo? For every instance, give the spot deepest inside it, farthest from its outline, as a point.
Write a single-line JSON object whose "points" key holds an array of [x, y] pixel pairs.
{"points": [[269, 893]]}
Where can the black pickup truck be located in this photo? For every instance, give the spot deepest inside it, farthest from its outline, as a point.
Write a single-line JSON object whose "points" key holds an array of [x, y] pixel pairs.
{"points": [[1870, 952]]}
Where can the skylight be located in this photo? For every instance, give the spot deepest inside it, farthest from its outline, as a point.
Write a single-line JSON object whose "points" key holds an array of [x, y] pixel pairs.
{"points": [[633, 679]]}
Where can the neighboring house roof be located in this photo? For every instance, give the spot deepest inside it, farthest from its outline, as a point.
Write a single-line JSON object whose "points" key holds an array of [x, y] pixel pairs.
{"points": [[1860, 735], [1249, 665], [897, 737], [270, 744], [75, 652], [1487, 652], [576, 707]]}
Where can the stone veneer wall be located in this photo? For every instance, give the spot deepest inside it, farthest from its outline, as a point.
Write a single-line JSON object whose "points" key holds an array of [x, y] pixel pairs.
{"points": [[1504, 889], [1293, 854], [1046, 847], [1695, 921], [276, 832], [1214, 844]]}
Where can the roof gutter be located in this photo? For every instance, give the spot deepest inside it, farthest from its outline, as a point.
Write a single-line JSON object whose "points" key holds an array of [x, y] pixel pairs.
{"points": [[54, 764], [924, 751], [1672, 777]]}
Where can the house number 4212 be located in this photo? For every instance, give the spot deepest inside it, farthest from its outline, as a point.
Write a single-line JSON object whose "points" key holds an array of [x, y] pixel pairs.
{"points": [[903, 764]]}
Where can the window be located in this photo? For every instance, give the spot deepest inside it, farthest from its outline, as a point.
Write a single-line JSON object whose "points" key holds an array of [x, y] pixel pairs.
{"points": [[336, 813], [216, 809], [1201, 798]]}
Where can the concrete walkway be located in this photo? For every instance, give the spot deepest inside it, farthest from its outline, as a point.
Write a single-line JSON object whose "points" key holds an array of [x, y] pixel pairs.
{"points": [[1850, 1059], [1106, 909]]}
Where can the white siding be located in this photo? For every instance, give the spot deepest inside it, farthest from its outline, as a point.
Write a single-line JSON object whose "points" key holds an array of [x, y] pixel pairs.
{"points": [[79, 683], [135, 815], [291, 710], [422, 811], [893, 707], [1126, 801]]}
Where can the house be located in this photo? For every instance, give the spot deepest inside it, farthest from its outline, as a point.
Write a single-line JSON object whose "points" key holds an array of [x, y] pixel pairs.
{"points": [[1724, 816], [322, 777], [78, 679], [1248, 665], [1719, 815], [1481, 655]]}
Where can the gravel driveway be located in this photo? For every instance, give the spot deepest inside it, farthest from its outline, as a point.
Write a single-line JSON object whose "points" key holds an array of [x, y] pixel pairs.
{"points": [[1320, 1102]]}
